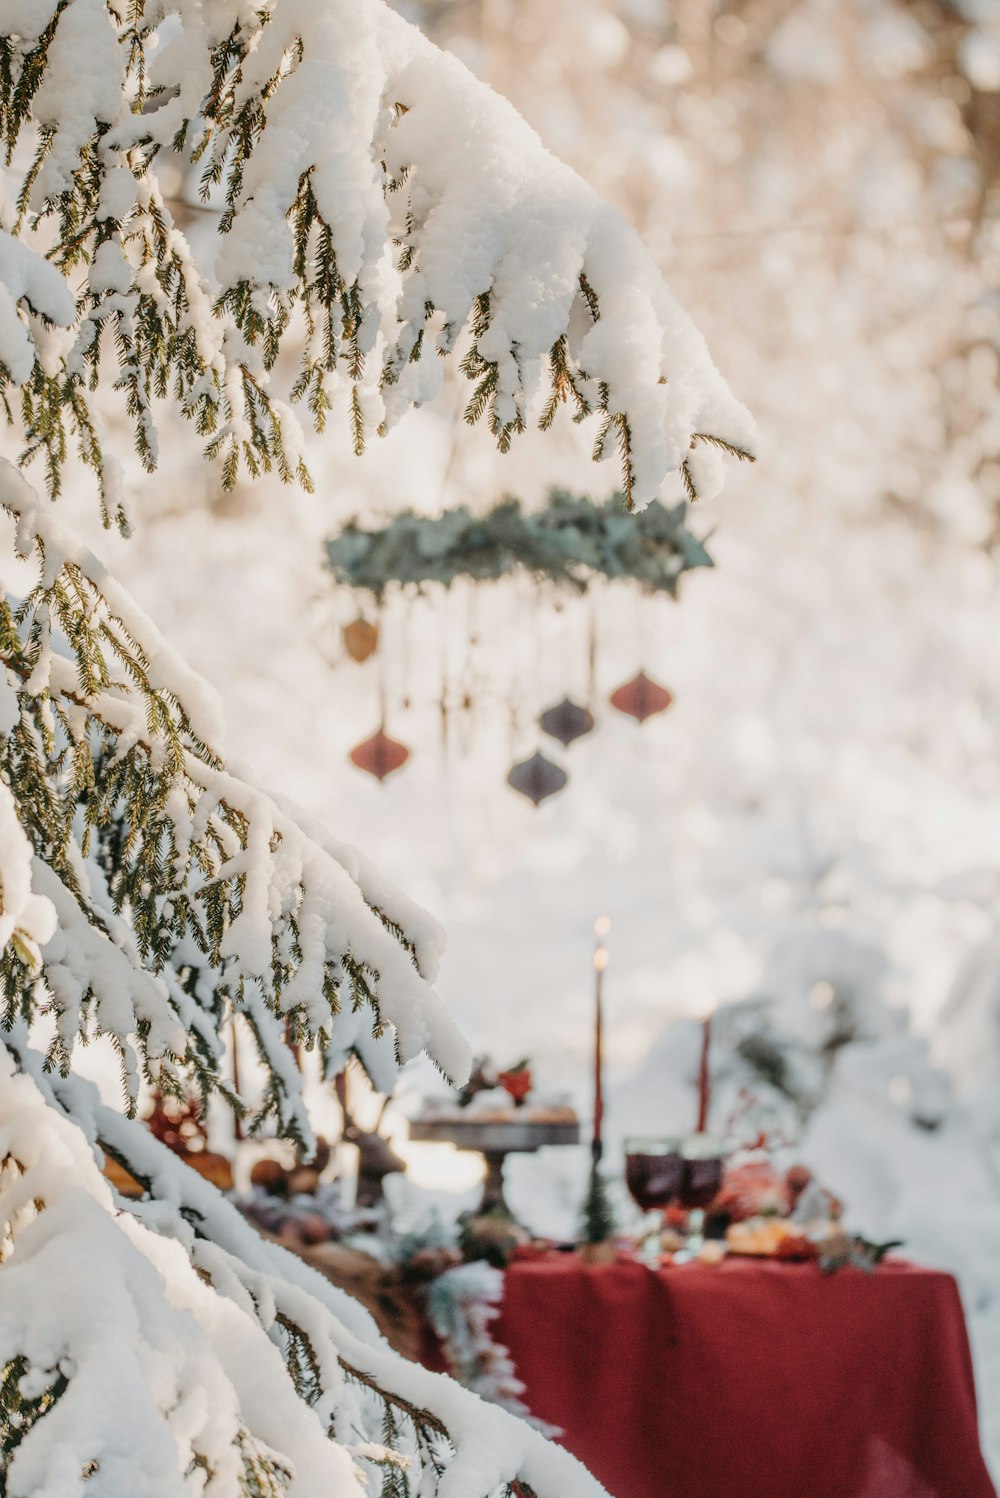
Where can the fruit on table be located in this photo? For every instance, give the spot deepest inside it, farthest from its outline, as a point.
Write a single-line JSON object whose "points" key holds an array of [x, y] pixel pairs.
{"points": [[303, 1181], [711, 1252], [796, 1246], [214, 1167], [754, 1189], [270, 1175], [760, 1236]]}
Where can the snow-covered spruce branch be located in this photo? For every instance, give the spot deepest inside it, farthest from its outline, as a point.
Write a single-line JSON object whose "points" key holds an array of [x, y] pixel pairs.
{"points": [[166, 1380], [380, 208], [378, 200], [183, 892], [248, 1299]]}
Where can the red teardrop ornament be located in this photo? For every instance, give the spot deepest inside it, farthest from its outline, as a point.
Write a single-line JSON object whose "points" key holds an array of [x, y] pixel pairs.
{"points": [[360, 639], [537, 778], [641, 698], [379, 755]]}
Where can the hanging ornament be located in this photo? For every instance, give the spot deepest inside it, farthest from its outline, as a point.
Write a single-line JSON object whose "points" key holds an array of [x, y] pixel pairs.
{"points": [[360, 639], [537, 778], [379, 755], [566, 722], [641, 698]]}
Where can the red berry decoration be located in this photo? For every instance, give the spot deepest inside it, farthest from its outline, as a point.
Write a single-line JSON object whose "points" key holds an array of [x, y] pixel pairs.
{"points": [[379, 755], [797, 1178], [641, 698], [518, 1081]]}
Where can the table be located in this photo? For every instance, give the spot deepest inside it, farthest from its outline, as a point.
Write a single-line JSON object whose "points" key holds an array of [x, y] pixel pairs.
{"points": [[750, 1379]]}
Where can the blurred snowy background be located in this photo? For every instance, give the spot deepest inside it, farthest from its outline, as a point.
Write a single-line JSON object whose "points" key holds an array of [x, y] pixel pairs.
{"points": [[811, 836]]}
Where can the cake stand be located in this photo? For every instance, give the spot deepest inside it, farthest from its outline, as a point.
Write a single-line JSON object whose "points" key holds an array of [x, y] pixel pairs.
{"points": [[495, 1136]]}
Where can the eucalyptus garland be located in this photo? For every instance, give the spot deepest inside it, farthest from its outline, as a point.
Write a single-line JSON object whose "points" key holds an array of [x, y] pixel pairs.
{"points": [[569, 541]]}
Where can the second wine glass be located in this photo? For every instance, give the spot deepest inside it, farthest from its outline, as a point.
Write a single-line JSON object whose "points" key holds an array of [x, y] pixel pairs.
{"points": [[654, 1175]]}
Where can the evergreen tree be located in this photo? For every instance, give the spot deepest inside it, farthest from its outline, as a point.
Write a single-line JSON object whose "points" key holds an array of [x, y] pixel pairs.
{"points": [[381, 209], [597, 1220]]}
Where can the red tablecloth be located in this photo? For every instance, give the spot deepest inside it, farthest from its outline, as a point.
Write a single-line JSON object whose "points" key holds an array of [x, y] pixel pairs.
{"points": [[750, 1380]]}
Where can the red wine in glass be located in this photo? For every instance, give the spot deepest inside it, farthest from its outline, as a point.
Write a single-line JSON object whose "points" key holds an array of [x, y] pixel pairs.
{"points": [[702, 1183], [654, 1173]]}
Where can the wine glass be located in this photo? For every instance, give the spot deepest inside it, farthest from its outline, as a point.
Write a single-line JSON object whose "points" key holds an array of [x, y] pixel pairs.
{"points": [[703, 1171], [654, 1174]]}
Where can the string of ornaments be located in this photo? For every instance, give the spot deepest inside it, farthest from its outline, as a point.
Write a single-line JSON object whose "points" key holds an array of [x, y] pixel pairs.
{"points": [[569, 544], [537, 778]]}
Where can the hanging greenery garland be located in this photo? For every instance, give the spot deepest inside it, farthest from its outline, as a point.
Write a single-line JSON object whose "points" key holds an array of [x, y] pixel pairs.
{"points": [[568, 541]]}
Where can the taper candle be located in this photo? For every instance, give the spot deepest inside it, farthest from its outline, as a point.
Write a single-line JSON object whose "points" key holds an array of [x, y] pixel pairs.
{"points": [[704, 1070], [601, 928]]}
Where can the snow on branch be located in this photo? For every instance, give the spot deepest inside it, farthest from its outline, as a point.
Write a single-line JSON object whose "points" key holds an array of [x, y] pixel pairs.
{"points": [[183, 892], [349, 1377], [27, 918], [113, 1348], [382, 208]]}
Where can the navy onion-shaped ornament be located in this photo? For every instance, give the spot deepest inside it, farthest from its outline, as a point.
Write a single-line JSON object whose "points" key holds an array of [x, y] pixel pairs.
{"points": [[537, 778], [566, 722]]}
